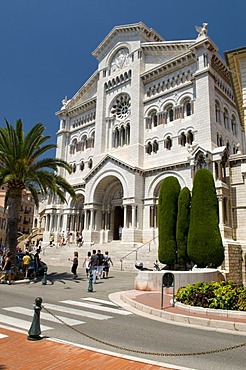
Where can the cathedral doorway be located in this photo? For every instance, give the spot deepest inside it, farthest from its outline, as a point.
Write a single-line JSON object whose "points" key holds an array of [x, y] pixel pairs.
{"points": [[118, 221]]}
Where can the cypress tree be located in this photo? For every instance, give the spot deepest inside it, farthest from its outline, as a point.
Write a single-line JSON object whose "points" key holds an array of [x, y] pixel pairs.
{"points": [[205, 246], [183, 220], [167, 218]]}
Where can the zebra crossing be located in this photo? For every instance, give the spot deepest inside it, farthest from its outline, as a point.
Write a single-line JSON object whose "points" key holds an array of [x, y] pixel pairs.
{"points": [[67, 312]]}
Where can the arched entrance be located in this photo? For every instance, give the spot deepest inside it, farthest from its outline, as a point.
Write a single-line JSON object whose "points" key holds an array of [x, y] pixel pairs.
{"points": [[109, 207], [118, 221]]}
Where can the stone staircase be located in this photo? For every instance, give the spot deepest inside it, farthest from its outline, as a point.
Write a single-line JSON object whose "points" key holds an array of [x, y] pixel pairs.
{"points": [[124, 255]]}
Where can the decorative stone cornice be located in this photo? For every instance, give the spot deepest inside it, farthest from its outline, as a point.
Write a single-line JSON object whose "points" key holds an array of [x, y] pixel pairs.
{"points": [[71, 104], [179, 46], [167, 67], [137, 29]]}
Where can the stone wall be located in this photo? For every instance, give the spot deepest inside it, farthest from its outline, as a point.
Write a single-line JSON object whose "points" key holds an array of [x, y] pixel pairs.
{"points": [[235, 259]]}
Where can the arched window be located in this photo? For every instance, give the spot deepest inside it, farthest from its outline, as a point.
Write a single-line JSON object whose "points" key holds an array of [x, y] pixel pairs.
{"points": [[171, 114], [226, 118], [182, 139], [189, 137], [90, 163], [218, 139], [228, 147], [128, 134], [83, 143], [116, 138], [148, 148], [82, 166], [168, 143], [200, 161], [233, 125], [217, 112], [188, 109], [155, 146], [74, 168], [73, 146]]}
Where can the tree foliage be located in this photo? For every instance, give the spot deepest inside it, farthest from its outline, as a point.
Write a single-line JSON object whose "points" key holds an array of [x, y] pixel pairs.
{"points": [[183, 221], [22, 167], [167, 218], [205, 246]]}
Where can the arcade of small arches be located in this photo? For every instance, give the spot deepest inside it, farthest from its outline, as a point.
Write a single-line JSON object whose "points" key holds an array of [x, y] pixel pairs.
{"points": [[83, 144], [184, 138], [222, 117]]}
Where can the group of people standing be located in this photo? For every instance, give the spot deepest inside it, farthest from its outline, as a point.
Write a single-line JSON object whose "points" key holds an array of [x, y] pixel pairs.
{"points": [[95, 263]]}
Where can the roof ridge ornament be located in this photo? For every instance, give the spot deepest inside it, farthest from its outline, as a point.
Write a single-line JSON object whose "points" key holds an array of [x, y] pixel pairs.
{"points": [[202, 31]]}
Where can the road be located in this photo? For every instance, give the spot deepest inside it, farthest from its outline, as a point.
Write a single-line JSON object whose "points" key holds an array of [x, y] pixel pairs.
{"points": [[72, 313]]}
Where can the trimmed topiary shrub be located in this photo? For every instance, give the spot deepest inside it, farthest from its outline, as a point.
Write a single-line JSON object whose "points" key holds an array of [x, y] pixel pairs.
{"points": [[167, 218], [183, 221], [204, 245]]}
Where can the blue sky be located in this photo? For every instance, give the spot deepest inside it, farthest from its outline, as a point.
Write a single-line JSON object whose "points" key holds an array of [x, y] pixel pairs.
{"points": [[46, 45]]}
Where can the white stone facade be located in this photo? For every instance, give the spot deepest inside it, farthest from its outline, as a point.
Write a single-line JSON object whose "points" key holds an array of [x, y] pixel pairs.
{"points": [[152, 109]]}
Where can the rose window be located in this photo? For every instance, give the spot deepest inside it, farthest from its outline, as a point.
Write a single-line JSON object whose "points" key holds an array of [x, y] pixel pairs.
{"points": [[121, 106]]}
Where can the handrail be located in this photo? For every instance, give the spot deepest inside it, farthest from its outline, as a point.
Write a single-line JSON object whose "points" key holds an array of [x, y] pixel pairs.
{"points": [[136, 250]]}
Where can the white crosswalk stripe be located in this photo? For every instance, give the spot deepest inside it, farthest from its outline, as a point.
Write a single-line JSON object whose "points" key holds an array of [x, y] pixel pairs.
{"points": [[45, 316], [3, 336], [19, 323], [69, 310], [100, 301], [97, 307], [77, 312]]}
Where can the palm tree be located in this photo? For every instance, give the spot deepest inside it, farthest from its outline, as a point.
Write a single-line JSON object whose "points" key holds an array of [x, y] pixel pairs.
{"points": [[22, 167]]}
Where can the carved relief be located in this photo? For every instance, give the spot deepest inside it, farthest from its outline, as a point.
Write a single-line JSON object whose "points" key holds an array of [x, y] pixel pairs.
{"points": [[120, 60]]}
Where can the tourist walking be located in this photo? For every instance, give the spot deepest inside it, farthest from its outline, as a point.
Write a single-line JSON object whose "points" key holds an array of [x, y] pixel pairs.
{"points": [[75, 265], [7, 268], [26, 261], [86, 264], [100, 264], [93, 265], [106, 265]]}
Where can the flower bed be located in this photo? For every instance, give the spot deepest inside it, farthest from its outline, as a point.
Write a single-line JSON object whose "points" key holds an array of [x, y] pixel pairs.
{"points": [[219, 295]]}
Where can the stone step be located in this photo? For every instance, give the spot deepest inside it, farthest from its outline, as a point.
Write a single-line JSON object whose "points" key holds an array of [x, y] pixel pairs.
{"points": [[62, 255]]}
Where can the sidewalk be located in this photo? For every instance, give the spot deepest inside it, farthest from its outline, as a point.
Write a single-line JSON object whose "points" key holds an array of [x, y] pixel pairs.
{"points": [[149, 303], [19, 353]]}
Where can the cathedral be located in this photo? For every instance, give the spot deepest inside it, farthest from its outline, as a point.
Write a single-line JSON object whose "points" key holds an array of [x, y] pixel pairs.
{"points": [[153, 108]]}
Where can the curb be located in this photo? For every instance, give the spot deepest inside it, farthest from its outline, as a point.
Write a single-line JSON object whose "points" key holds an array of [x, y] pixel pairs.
{"points": [[206, 323]]}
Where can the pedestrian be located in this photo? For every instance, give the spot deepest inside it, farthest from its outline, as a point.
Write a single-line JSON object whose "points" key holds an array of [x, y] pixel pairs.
{"points": [[1, 260], [106, 264], [26, 261], [75, 265], [100, 264], [93, 265], [7, 268], [86, 264], [120, 232], [51, 240], [36, 264]]}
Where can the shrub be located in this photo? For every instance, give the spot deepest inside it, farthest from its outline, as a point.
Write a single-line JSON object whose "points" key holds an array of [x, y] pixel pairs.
{"points": [[167, 218], [204, 246], [183, 220], [219, 295]]}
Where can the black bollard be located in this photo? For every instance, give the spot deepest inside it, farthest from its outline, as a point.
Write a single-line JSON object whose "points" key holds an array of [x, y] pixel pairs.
{"points": [[44, 280], [90, 282], [35, 330]]}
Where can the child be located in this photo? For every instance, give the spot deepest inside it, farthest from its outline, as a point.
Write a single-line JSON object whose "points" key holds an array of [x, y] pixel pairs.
{"points": [[75, 265]]}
